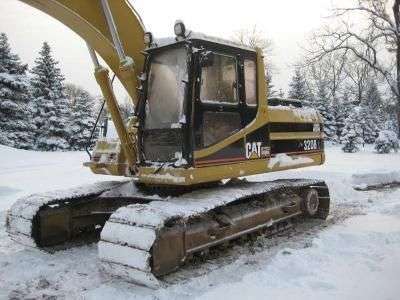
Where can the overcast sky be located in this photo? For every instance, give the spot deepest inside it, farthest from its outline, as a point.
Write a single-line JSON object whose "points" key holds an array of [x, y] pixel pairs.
{"points": [[286, 22]]}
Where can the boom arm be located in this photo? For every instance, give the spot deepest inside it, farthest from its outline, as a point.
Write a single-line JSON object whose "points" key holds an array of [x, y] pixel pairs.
{"points": [[114, 30], [87, 19]]}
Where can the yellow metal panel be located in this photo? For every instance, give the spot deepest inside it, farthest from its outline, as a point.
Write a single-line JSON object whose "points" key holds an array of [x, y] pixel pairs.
{"points": [[86, 18], [193, 176], [295, 135]]}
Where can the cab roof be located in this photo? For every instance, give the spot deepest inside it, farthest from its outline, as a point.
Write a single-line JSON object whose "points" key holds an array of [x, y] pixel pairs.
{"points": [[200, 37]]}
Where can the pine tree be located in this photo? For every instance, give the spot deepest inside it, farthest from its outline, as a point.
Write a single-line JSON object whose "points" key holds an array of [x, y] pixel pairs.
{"points": [[51, 107], [16, 128], [373, 98], [387, 140], [352, 132], [375, 105], [325, 108], [341, 112], [82, 117], [369, 124], [297, 87]]}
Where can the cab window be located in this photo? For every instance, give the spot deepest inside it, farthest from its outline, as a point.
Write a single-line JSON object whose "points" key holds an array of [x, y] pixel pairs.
{"points": [[218, 81], [250, 77]]}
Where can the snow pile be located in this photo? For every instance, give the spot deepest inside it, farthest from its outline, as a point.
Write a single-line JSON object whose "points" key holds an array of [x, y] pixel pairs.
{"points": [[365, 181], [283, 160], [303, 113]]}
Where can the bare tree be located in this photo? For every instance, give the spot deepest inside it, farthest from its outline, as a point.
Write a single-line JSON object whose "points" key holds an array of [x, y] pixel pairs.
{"points": [[360, 76], [255, 38], [329, 68], [374, 40]]}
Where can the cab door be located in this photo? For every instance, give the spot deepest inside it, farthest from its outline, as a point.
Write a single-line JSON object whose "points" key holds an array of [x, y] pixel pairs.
{"points": [[218, 110]]}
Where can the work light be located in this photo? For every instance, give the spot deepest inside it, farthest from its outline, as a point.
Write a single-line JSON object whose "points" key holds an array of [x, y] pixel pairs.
{"points": [[180, 29], [148, 39]]}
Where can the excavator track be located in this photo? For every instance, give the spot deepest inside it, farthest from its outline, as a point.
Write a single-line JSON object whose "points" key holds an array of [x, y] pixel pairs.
{"points": [[61, 218], [146, 235], [143, 242]]}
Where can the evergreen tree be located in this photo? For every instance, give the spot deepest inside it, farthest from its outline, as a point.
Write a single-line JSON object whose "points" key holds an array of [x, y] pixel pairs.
{"points": [[375, 105], [325, 108], [16, 127], [368, 124], [387, 140], [82, 117], [297, 87], [51, 107], [373, 98], [341, 111], [352, 132]]}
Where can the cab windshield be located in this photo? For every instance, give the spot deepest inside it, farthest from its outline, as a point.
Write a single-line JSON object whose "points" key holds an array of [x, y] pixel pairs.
{"points": [[166, 89]]}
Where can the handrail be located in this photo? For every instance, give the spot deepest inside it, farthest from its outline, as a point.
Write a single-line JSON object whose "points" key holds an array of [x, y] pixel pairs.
{"points": [[89, 140]]}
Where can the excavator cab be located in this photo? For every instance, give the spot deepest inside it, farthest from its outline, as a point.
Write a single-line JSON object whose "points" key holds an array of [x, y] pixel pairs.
{"points": [[194, 96]]}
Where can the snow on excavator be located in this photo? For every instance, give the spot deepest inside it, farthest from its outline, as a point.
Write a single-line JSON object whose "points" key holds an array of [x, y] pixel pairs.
{"points": [[201, 117]]}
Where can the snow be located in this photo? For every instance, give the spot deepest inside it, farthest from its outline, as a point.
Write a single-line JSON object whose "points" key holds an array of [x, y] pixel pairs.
{"points": [[363, 181], [354, 255], [22, 212], [111, 131], [176, 126], [136, 258], [138, 215], [201, 36], [303, 113], [387, 141], [388, 136], [157, 213], [27, 172], [167, 178], [284, 160], [180, 160], [133, 236], [342, 263]]}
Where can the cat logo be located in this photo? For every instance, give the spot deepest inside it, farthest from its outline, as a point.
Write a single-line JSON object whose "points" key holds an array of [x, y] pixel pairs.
{"points": [[253, 150]]}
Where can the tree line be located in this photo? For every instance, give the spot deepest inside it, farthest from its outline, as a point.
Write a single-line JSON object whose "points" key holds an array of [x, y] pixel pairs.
{"points": [[38, 110], [351, 72]]}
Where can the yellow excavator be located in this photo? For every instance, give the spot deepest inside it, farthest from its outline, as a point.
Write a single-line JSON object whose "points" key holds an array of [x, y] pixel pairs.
{"points": [[201, 120]]}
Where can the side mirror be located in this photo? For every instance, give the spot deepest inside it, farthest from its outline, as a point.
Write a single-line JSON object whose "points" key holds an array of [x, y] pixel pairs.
{"points": [[206, 59]]}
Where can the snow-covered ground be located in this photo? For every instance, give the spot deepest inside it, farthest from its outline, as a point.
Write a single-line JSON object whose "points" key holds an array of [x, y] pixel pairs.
{"points": [[354, 255]]}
